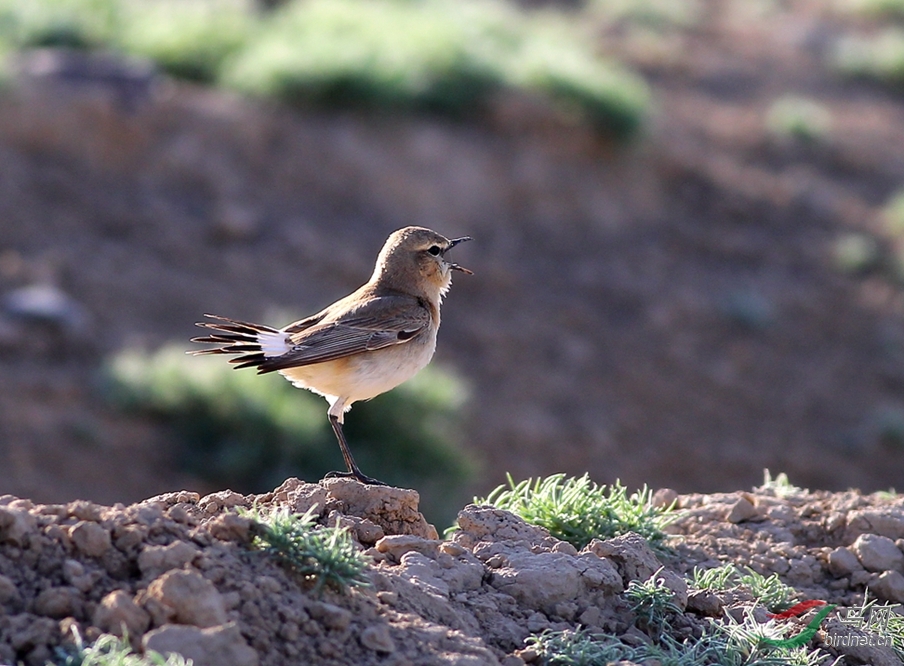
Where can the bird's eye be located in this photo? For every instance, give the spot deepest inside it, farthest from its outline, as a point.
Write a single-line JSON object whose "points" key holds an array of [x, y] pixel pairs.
{"points": [[434, 250]]}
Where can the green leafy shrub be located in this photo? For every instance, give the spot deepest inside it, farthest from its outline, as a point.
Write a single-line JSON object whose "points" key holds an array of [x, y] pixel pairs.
{"points": [[69, 23], [322, 556], [879, 56], [434, 55], [577, 510], [652, 602], [109, 650], [770, 591], [250, 432], [799, 118], [189, 40]]}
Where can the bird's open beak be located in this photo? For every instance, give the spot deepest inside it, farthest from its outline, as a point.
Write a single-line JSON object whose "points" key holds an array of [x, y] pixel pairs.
{"points": [[456, 267]]}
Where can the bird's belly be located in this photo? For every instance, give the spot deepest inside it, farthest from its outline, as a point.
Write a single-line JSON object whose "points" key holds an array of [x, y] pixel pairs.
{"points": [[366, 375]]}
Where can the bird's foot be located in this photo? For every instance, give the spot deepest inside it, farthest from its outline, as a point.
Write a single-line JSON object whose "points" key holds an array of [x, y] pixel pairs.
{"points": [[366, 480]]}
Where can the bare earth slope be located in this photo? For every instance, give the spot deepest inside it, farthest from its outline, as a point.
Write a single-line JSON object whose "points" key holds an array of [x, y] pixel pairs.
{"points": [[176, 570]]}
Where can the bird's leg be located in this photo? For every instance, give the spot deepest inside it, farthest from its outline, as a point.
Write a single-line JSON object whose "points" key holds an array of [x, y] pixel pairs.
{"points": [[353, 471]]}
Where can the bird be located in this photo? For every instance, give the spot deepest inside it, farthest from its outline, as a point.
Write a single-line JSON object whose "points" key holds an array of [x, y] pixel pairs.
{"points": [[362, 345]]}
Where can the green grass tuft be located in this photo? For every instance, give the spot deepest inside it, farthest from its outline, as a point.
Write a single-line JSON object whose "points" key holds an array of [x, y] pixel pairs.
{"points": [[322, 556], [250, 432], [434, 55], [577, 510], [770, 591], [109, 650], [653, 603], [187, 39]]}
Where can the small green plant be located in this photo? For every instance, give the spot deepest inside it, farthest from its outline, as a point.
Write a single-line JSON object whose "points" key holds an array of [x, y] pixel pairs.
{"points": [[580, 648], [62, 23], [856, 253], [109, 650], [577, 510], [770, 591], [893, 215], [723, 643], [652, 602], [439, 56], [322, 556], [799, 118], [188, 40], [873, 8], [780, 486], [879, 57], [249, 432]]}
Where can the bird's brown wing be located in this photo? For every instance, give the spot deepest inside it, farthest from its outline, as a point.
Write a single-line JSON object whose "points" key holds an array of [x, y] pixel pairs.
{"points": [[379, 322]]}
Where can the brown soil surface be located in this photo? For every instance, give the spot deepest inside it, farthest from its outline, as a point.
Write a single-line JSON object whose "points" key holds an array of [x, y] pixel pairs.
{"points": [[668, 313], [179, 573]]}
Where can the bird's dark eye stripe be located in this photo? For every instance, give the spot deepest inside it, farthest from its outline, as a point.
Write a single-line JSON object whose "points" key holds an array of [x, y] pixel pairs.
{"points": [[434, 250]]}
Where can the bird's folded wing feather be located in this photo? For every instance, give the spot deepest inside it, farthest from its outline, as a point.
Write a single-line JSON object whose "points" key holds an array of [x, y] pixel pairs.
{"points": [[379, 322]]}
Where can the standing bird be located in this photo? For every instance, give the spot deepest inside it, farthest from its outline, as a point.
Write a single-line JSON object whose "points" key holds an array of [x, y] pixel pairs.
{"points": [[362, 345]]}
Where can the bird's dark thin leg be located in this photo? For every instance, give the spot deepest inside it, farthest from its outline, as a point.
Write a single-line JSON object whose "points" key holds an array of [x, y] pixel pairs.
{"points": [[353, 471]]}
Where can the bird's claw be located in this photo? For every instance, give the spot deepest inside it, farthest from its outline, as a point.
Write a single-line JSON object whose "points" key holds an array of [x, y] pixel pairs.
{"points": [[366, 480]]}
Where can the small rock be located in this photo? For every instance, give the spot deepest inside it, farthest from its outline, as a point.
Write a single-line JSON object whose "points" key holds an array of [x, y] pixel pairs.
{"points": [[8, 591], [664, 498], [743, 509], [376, 637], [188, 598], [230, 527], [90, 538], [215, 646], [396, 545], [330, 616], [704, 602], [156, 560], [15, 526], [118, 610], [882, 522], [45, 303], [395, 510], [630, 553], [58, 602], [216, 502], [512, 660], [388, 597], [842, 562], [590, 617], [890, 587], [878, 553]]}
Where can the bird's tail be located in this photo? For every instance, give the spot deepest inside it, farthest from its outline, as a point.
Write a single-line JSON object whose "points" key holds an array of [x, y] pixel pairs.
{"points": [[254, 343]]}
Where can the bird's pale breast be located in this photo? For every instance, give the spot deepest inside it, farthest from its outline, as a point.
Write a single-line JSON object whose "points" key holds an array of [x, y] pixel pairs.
{"points": [[366, 375]]}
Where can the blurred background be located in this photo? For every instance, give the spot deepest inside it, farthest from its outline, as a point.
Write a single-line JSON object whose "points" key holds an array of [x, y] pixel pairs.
{"points": [[688, 220]]}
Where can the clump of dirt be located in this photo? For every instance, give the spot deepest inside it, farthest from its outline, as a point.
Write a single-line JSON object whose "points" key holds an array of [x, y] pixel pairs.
{"points": [[177, 573]]}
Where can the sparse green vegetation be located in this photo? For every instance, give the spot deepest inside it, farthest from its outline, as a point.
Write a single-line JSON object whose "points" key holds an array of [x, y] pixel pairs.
{"points": [[250, 432], [438, 56], [856, 253], [879, 56], [770, 591], [577, 510], [780, 486], [322, 556], [109, 650], [725, 643], [799, 118], [652, 602], [873, 8], [189, 40], [443, 56]]}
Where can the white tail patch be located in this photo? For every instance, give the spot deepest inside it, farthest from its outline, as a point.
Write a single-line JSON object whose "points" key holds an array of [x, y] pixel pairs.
{"points": [[273, 344]]}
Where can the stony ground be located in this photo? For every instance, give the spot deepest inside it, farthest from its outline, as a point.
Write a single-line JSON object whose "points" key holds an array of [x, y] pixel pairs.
{"points": [[176, 570]]}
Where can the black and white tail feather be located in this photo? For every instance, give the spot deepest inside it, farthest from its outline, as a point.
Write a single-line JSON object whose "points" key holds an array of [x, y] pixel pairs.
{"points": [[251, 341]]}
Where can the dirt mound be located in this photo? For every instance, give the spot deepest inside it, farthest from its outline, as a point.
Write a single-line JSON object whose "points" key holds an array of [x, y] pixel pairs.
{"points": [[177, 573]]}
